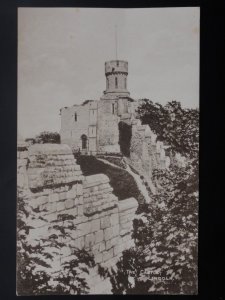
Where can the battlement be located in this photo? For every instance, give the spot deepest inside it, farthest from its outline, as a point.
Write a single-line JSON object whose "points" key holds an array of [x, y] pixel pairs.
{"points": [[116, 66]]}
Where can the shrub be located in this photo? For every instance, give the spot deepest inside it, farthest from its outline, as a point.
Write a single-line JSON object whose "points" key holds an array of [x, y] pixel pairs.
{"points": [[165, 239], [47, 137], [174, 125]]}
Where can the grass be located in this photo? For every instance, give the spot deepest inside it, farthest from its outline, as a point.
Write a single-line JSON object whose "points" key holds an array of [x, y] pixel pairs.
{"points": [[123, 184]]}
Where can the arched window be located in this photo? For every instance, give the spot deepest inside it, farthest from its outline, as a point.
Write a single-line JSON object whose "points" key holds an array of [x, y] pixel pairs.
{"points": [[107, 83], [75, 117], [84, 141], [125, 82], [116, 82]]}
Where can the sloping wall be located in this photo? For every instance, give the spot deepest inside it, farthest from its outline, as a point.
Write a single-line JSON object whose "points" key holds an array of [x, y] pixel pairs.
{"points": [[53, 184]]}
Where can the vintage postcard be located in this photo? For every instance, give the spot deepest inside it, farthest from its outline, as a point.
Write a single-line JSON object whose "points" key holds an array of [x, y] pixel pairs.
{"points": [[107, 151]]}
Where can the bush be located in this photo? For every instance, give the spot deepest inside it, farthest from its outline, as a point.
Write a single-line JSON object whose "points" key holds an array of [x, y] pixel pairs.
{"points": [[175, 126], [165, 239], [47, 137]]}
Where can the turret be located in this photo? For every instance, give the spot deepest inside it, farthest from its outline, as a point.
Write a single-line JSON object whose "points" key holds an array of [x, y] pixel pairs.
{"points": [[116, 72]]}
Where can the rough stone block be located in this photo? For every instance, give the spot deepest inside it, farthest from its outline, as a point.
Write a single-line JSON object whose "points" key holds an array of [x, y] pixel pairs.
{"points": [[95, 248], [114, 219], [125, 231], [127, 225], [89, 240], [76, 167], [107, 254], [53, 207], [80, 210], [127, 218], [108, 234], [79, 190], [72, 211], [98, 258], [115, 240], [60, 206], [81, 178], [78, 243], [116, 230], [51, 217], [41, 200], [105, 222], [104, 186], [53, 197], [102, 246], [69, 203], [84, 228], [126, 238], [118, 249], [99, 235], [127, 204], [62, 196], [95, 225], [111, 243], [71, 194]]}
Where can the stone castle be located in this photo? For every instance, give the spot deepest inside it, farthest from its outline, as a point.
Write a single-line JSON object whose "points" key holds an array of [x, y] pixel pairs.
{"points": [[93, 127], [51, 181]]}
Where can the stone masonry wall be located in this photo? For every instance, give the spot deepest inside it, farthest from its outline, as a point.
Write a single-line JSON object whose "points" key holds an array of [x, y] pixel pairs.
{"points": [[53, 184], [108, 133], [146, 154]]}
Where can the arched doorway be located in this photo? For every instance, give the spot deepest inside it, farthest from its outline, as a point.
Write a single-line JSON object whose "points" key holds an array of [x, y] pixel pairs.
{"points": [[84, 141]]}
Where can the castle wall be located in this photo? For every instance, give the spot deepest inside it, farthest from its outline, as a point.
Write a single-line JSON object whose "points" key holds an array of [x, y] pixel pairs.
{"points": [[53, 184], [108, 133], [71, 130], [79, 120], [146, 154]]}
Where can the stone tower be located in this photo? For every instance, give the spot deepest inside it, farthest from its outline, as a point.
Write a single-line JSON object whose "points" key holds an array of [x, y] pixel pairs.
{"points": [[116, 72]]}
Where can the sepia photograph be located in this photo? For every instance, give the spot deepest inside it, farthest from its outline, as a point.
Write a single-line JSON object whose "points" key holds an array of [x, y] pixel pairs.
{"points": [[108, 151]]}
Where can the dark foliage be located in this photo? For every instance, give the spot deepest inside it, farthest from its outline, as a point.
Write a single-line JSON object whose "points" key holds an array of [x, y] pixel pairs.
{"points": [[174, 125], [165, 239], [47, 137], [29, 281]]}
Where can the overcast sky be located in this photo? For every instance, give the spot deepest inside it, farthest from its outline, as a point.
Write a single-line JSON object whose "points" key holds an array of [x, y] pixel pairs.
{"points": [[62, 51]]}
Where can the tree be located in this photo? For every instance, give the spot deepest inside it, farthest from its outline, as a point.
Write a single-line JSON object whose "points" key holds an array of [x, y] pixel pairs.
{"points": [[164, 259], [174, 125], [48, 137]]}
